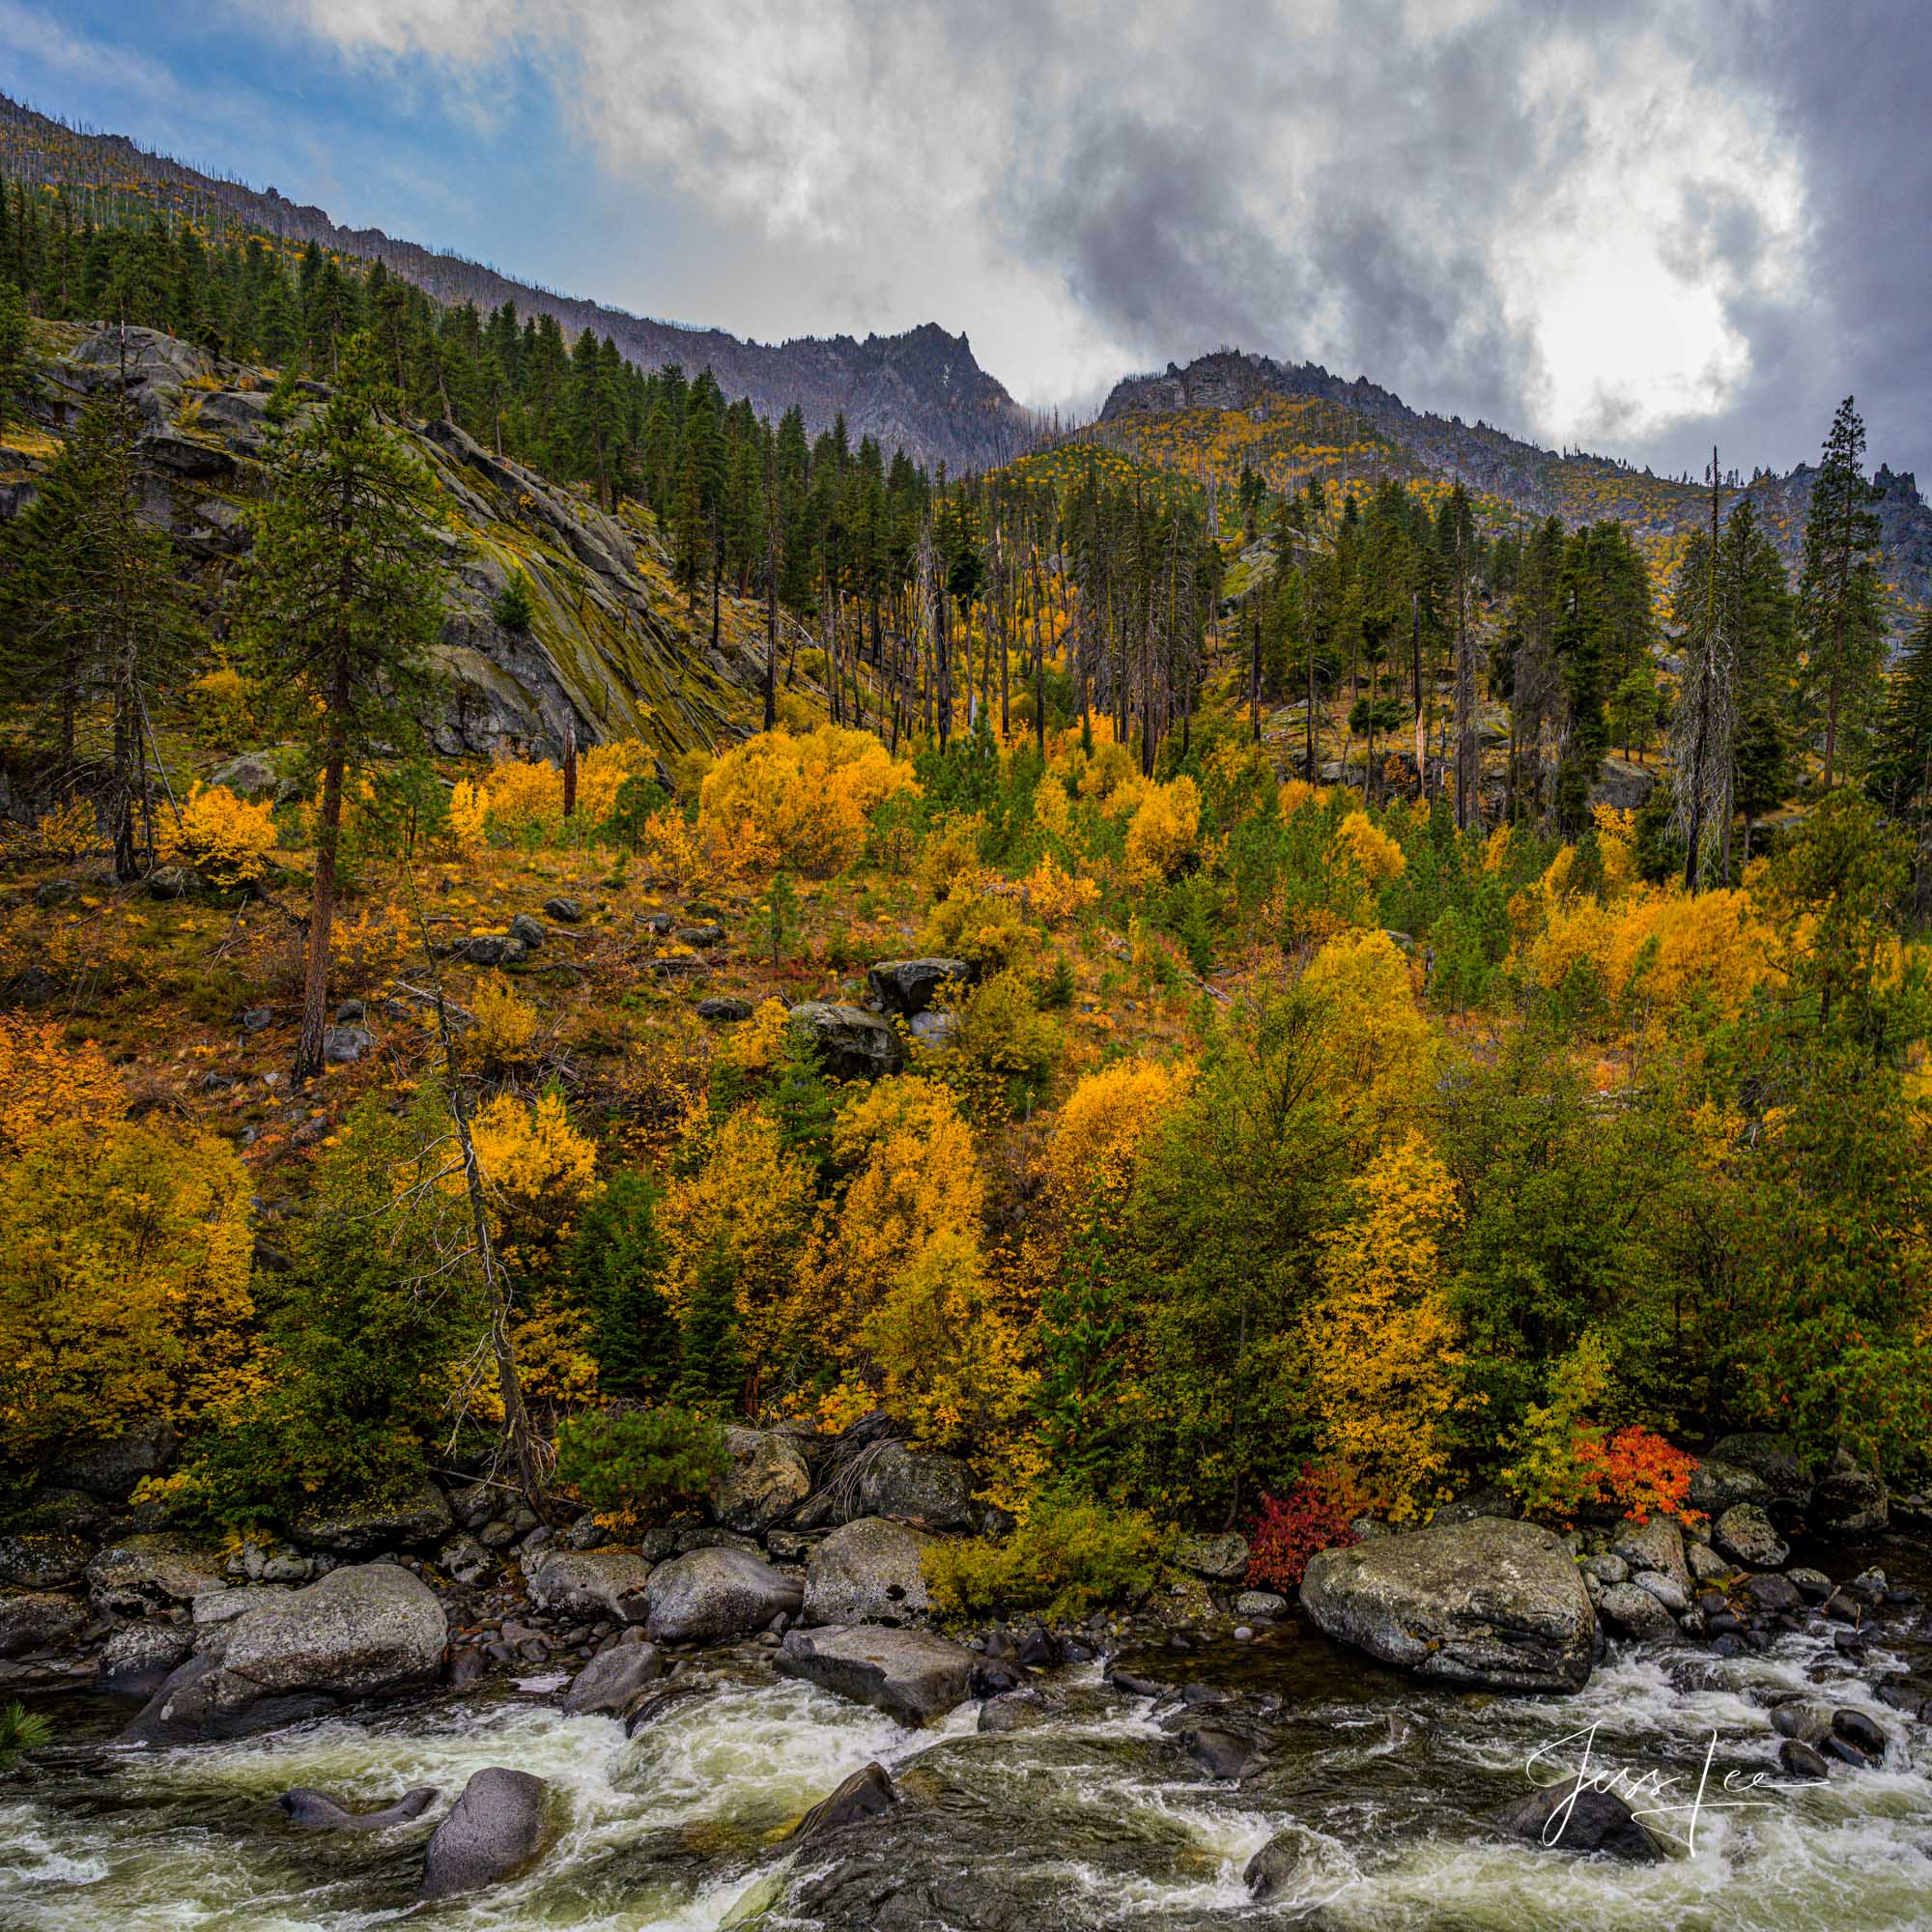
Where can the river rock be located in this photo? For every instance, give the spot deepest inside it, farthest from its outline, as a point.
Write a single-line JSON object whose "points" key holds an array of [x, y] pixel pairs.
{"points": [[1656, 1546], [909, 986], [1296, 1860], [852, 1043], [1798, 1717], [911, 1675], [1716, 1487], [1849, 1500], [867, 1793], [368, 1629], [138, 1659], [39, 1620], [1803, 1761], [712, 1594], [1631, 1609], [421, 1517], [868, 1572], [1596, 1821], [1260, 1604], [602, 1584], [112, 1469], [1706, 1565], [1772, 1593], [1488, 1602], [495, 1829], [615, 1683], [1859, 1731], [1606, 1568], [1225, 1756], [1221, 1559], [1769, 1457], [143, 1573], [1743, 1534], [1667, 1591], [43, 1560], [924, 1485], [320, 1811], [1024, 1709], [766, 1480]]}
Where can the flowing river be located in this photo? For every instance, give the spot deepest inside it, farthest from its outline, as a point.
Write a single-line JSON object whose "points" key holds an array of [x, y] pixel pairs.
{"points": [[1095, 1819]]}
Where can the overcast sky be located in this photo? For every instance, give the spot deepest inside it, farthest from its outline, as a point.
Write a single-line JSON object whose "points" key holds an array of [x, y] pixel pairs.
{"points": [[1630, 227]]}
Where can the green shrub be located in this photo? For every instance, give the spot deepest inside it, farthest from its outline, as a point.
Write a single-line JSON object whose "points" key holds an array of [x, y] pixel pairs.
{"points": [[1070, 1556], [515, 609], [1003, 1033], [640, 1458]]}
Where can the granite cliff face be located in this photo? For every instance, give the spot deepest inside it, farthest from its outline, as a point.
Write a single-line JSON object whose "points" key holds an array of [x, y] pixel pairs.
{"points": [[610, 650]]}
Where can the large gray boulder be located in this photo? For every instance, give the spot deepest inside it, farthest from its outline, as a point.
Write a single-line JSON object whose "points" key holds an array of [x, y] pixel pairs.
{"points": [[365, 1631], [145, 1573], [43, 1559], [112, 1469], [911, 1675], [37, 1620], [1491, 1602], [605, 1584], [138, 1659], [1656, 1545], [1717, 1486], [924, 1485], [1745, 1534], [1771, 1459], [614, 1683], [1573, 1816], [909, 986], [1634, 1612], [868, 1572], [766, 1480], [495, 1829], [852, 1043], [710, 1595], [1849, 1500], [413, 1520]]}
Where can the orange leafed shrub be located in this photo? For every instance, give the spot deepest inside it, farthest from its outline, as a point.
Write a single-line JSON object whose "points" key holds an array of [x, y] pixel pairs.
{"points": [[43, 1081], [1639, 1471]]}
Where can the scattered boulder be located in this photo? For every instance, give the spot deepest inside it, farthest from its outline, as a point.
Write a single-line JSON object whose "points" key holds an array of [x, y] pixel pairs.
{"points": [[137, 1659], [867, 1793], [724, 1009], [1607, 1568], [1814, 1585], [368, 1629], [1221, 1559], [1667, 1591], [924, 1485], [315, 1811], [1631, 1609], [35, 1620], [604, 1584], [1294, 1860], [699, 938], [612, 1684], [1743, 1534], [112, 1469], [1803, 1761], [565, 911], [465, 1560], [767, 1479], [1772, 1593], [1771, 1459], [908, 987], [868, 1572], [1224, 1755], [45, 1559], [1801, 1720], [1487, 1602], [1655, 1544], [143, 1573], [1574, 1816], [1849, 1500], [492, 949], [1706, 1565], [223, 1606], [495, 1829], [709, 1595], [911, 1675], [1024, 1709], [421, 1518], [1260, 1604], [1859, 1730], [852, 1043], [345, 1045], [531, 931]]}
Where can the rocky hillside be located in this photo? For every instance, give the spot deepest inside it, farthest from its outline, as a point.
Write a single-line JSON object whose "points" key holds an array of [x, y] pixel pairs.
{"points": [[1290, 420], [920, 391], [610, 645]]}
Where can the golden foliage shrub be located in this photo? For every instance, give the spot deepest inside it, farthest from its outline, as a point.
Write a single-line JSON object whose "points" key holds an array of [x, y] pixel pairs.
{"points": [[1163, 831], [505, 1022], [537, 1169], [1382, 1051], [44, 1082], [1106, 1116], [800, 802], [1370, 850], [228, 840], [69, 832], [985, 929], [1055, 896]]}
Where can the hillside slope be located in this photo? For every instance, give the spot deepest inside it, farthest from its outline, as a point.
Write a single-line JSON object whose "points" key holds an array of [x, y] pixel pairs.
{"points": [[921, 390]]}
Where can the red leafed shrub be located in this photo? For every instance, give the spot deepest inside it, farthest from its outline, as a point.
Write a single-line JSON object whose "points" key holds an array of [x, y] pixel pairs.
{"points": [[1315, 1515], [1639, 1471]]}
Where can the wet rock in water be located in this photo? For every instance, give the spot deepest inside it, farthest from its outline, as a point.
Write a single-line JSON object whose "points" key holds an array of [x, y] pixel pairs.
{"points": [[865, 1794], [924, 1485], [565, 911], [321, 1812], [994, 1677], [1868, 1586], [1294, 1860], [137, 1659], [1656, 1546], [1132, 1685], [39, 1620], [1743, 1534], [712, 1594], [495, 1829], [1025, 1708], [1573, 1816], [1798, 1717], [1260, 1604], [767, 1479], [602, 1583], [1859, 1731], [1488, 1602], [867, 1572], [909, 986], [1801, 1760], [143, 1573], [614, 1684], [1845, 1751], [1221, 1559], [910, 1675], [1224, 1755], [1630, 1608], [724, 1009], [421, 1517], [679, 1691], [852, 1043], [1849, 1500], [466, 1666], [364, 1630], [1772, 1593], [1716, 1486]]}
